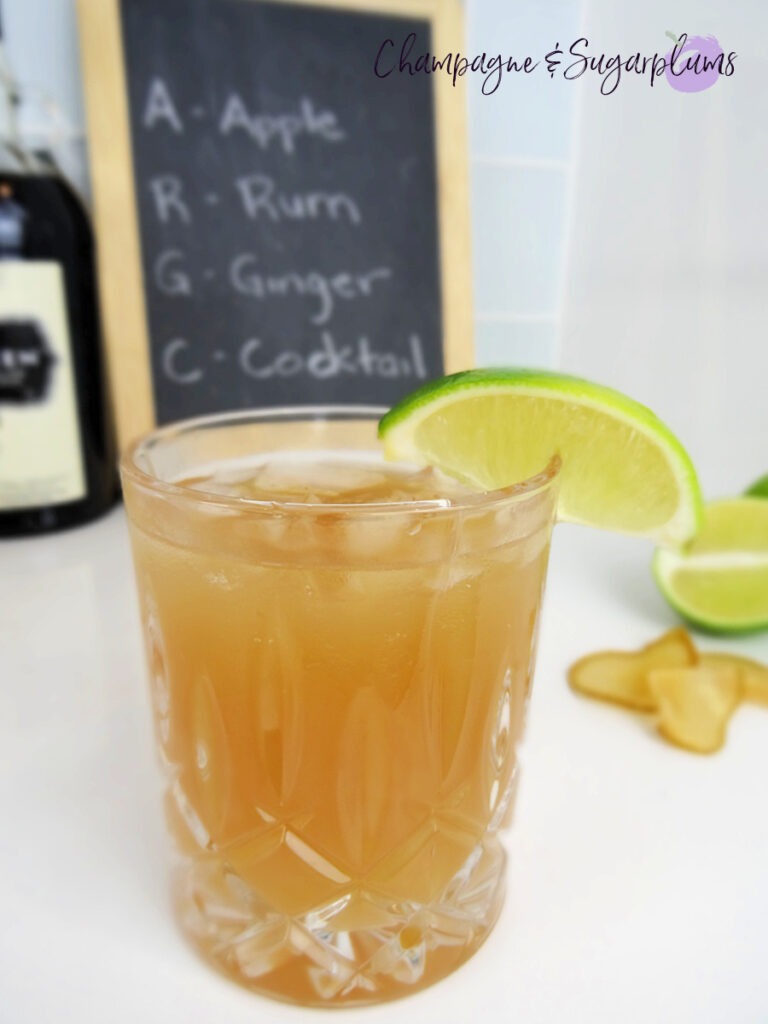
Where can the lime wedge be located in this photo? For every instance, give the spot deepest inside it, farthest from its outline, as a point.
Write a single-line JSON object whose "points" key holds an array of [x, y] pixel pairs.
{"points": [[720, 581], [622, 468], [759, 488]]}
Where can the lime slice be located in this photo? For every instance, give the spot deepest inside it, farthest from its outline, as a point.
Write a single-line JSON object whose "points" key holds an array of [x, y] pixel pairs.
{"points": [[622, 469], [759, 488], [720, 581]]}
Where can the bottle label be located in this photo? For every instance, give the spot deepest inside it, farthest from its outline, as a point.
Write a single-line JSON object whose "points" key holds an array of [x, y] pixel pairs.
{"points": [[41, 459]]}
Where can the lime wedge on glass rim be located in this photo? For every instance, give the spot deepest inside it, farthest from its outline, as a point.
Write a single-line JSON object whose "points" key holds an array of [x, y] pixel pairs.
{"points": [[622, 468], [720, 580]]}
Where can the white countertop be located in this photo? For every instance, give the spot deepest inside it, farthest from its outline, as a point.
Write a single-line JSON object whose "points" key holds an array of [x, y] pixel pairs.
{"points": [[638, 888]]}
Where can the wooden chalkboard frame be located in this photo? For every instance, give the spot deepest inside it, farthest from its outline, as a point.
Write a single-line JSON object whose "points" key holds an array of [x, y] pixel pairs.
{"points": [[115, 209]]}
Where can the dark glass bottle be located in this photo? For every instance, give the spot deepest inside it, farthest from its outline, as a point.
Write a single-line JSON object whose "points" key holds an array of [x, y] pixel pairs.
{"points": [[57, 452]]}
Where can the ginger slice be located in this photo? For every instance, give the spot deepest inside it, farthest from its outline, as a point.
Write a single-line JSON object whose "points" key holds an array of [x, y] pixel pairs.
{"points": [[622, 676], [695, 704], [753, 674]]}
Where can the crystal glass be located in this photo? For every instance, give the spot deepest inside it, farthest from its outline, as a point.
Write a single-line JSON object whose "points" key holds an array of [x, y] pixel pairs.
{"points": [[339, 673]]}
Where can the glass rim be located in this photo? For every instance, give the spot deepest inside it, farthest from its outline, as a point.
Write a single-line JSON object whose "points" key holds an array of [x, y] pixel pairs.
{"points": [[130, 469]]}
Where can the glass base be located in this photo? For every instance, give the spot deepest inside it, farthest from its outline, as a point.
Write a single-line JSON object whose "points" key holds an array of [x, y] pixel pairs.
{"points": [[360, 948]]}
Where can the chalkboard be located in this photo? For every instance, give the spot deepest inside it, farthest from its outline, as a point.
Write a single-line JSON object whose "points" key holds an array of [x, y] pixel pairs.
{"points": [[284, 201]]}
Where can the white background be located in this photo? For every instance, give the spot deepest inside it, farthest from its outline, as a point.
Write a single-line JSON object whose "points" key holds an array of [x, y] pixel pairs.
{"points": [[623, 238]]}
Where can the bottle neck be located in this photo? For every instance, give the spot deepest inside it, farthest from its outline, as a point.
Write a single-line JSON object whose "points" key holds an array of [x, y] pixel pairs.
{"points": [[14, 156]]}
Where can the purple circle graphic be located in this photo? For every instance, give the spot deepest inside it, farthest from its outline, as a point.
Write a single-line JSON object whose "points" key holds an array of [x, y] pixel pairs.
{"points": [[688, 79]]}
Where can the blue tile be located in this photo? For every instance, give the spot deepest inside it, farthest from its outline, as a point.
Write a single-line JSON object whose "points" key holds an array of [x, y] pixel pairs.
{"points": [[510, 343], [527, 114], [518, 232]]}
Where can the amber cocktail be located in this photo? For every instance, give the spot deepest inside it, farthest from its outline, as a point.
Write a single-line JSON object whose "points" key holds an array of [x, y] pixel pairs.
{"points": [[340, 654]]}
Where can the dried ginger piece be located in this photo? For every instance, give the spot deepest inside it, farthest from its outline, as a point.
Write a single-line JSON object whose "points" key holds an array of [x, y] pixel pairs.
{"points": [[622, 676], [753, 674], [695, 704], [694, 693]]}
